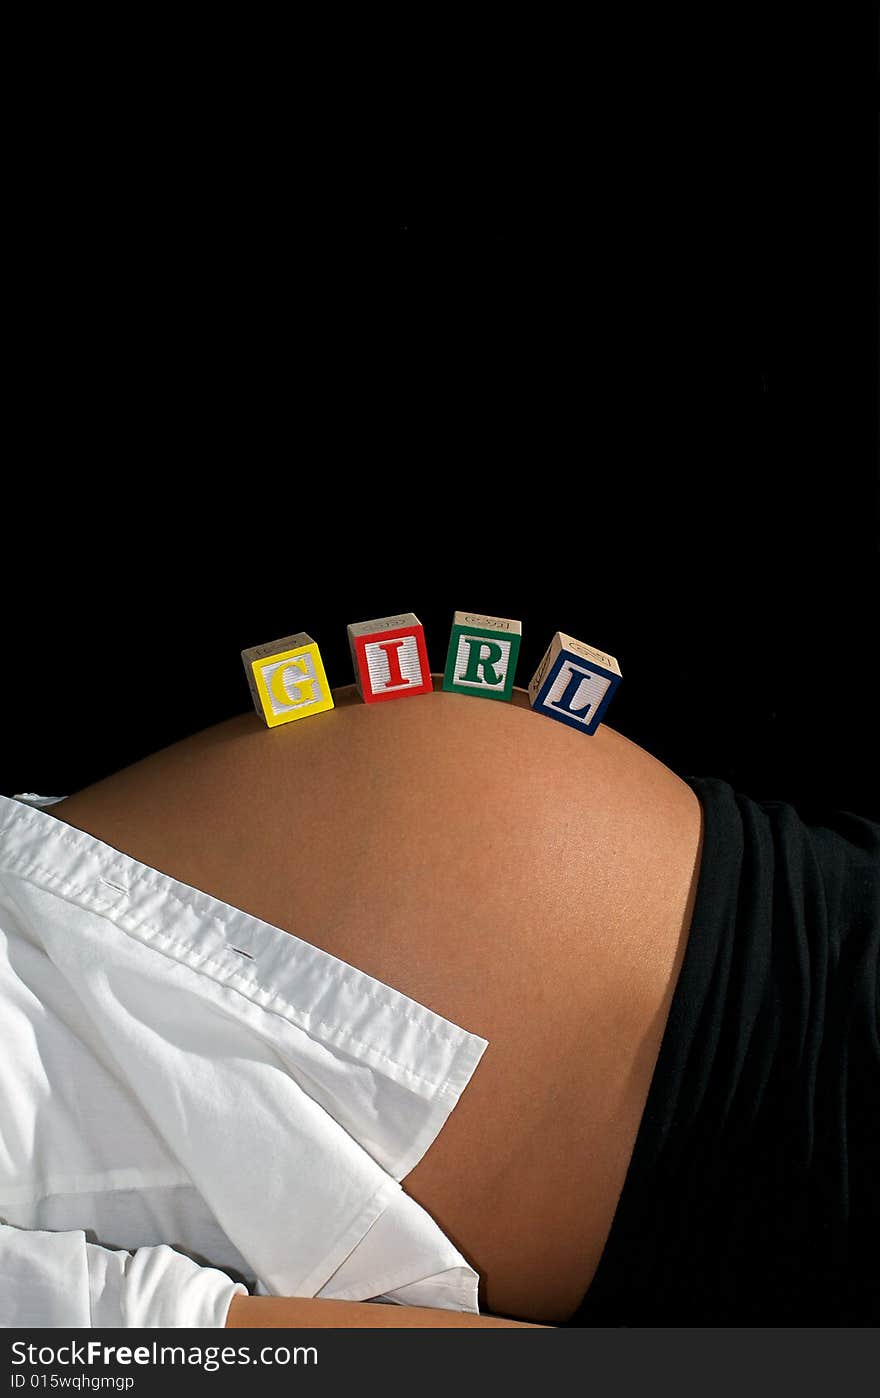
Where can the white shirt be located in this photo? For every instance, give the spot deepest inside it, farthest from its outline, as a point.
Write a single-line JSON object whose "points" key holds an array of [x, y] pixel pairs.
{"points": [[195, 1104]]}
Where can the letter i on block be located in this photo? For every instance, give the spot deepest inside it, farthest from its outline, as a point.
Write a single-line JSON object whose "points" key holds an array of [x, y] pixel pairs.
{"points": [[574, 683], [482, 655], [390, 658], [287, 679]]}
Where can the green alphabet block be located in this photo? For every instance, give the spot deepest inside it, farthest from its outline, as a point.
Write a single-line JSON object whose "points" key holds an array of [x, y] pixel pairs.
{"points": [[482, 655]]}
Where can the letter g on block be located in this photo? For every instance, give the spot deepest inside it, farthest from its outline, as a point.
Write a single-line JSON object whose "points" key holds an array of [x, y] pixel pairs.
{"points": [[287, 679]]}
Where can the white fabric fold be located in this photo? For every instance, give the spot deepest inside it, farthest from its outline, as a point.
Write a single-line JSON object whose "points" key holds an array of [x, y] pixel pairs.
{"points": [[183, 1079], [59, 1280]]}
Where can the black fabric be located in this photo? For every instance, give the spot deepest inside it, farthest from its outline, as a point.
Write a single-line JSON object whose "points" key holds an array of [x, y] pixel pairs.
{"points": [[753, 1193]]}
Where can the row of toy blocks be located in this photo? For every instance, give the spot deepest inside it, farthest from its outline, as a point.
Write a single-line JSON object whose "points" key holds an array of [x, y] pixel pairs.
{"points": [[573, 683]]}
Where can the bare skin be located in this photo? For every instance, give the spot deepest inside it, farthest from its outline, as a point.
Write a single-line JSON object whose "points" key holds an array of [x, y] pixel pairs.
{"points": [[314, 1313], [527, 882]]}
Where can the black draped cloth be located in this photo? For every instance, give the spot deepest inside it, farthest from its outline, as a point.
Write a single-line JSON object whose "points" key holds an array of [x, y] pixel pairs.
{"points": [[753, 1193]]}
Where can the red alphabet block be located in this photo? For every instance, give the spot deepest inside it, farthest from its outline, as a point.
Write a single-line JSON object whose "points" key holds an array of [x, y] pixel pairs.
{"points": [[390, 658]]}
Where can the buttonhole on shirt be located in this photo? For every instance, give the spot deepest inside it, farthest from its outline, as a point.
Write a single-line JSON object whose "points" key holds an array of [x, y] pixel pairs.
{"points": [[113, 885], [242, 953]]}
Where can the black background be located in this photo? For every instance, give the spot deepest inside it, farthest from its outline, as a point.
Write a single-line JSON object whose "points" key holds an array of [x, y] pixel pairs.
{"points": [[603, 360]]}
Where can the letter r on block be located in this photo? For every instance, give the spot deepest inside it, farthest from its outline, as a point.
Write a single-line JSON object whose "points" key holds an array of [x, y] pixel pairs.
{"points": [[482, 654]]}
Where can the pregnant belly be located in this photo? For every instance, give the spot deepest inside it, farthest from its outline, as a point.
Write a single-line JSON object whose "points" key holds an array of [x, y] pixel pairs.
{"points": [[529, 883]]}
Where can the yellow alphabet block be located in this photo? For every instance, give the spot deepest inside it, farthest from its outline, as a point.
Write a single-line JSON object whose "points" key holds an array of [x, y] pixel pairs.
{"points": [[287, 679]]}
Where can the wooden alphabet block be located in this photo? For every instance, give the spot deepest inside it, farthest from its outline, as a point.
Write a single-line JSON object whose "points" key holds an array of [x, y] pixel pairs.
{"points": [[287, 679], [390, 658], [482, 655], [574, 683]]}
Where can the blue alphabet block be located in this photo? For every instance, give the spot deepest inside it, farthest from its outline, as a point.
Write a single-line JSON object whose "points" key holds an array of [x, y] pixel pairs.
{"points": [[574, 683]]}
